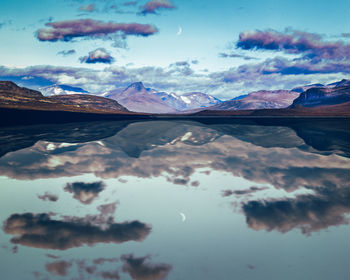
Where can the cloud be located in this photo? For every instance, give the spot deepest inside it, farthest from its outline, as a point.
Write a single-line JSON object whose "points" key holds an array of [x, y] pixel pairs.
{"points": [[41, 231], [151, 7], [328, 207], [67, 52], [48, 197], [251, 190], [99, 55], [85, 192], [103, 260], [59, 268], [310, 45], [4, 23], [87, 8], [130, 3], [140, 269], [110, 275], [276, 70], [234, 55], [180, 63], [88, 28]]}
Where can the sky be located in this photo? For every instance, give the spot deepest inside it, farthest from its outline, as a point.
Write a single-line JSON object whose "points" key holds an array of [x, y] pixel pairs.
{"points": [[223, 48]]}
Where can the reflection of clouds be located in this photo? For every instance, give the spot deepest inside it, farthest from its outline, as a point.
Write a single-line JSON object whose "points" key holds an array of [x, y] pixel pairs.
{"points": [[252, 189], [85, 192], [41, 231], [48, 197], [58, 268], [307, 212], [114, 275], [140, 269]]}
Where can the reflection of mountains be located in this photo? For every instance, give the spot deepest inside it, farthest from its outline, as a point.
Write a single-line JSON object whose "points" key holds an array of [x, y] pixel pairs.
{"points": [[293, 154], [328, 136]]}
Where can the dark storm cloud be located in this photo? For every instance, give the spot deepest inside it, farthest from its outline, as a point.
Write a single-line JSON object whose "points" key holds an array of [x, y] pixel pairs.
{"points": [[234, 55], [85, 192], [48, 197], [140, 269], [89, 28], [310, 45], [41, 231], [151, 7], [99, 55], [328, 207], [251, 190], [59, 268], [67, 53]]}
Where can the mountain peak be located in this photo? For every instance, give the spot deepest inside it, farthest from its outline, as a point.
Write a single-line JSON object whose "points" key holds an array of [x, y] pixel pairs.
{"points": [[11, 87], [8, 85], [137, 86]]}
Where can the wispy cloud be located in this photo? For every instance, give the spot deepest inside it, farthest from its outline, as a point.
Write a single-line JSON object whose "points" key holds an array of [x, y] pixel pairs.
{"points": [[234, 55], [88, 8], [48, 197], [151, 7], [67, 52]]}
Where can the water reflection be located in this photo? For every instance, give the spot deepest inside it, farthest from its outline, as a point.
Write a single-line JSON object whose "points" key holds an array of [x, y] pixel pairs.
{"points": [[115, 183]]}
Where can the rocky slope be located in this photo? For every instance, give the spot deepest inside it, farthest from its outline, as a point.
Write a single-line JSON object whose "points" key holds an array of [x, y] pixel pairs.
{"points": [[314, 97], [13, 96], [89, 102]]}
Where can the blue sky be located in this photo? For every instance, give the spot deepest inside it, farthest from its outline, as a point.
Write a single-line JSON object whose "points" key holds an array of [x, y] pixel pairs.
{"points": [[208, 44]]}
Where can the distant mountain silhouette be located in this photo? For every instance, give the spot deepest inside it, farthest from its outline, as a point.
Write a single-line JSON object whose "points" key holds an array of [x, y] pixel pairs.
{"points": [[263, 99]]}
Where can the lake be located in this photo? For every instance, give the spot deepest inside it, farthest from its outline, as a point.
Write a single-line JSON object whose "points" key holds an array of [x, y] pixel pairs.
{"points": [[176, 199]]}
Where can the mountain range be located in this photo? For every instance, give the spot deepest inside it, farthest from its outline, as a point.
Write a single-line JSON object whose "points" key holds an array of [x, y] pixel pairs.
{"points": [[136, 97], [317, 100], [263, 99]]}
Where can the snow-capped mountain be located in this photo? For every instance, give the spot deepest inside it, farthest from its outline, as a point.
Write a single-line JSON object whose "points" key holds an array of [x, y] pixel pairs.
{"points": [[61, 89], [137, 98], [196, 100]]}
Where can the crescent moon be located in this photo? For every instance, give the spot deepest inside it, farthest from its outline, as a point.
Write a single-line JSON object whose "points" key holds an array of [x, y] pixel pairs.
{"points": [[183, 217], [179, 32]]}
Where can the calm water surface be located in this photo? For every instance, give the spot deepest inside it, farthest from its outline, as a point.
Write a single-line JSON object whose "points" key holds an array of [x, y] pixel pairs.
{"points": [[207, 199]]}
